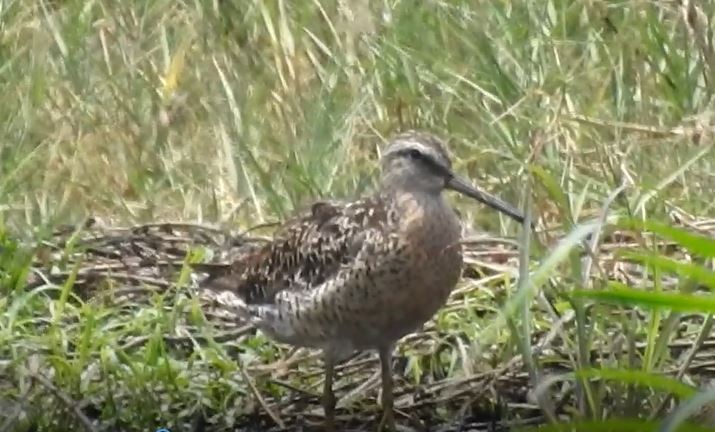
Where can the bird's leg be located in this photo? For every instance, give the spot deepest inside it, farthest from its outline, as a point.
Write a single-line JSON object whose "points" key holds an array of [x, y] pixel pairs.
{"points": [[328, 395], [388, 416]]}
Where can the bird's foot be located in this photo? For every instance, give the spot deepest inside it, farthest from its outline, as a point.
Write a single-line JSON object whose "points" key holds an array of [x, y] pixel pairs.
{"points": [[329, 407], [329, 424], [387, 422]]}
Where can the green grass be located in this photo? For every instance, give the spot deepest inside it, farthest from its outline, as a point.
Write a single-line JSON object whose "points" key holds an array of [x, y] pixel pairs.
{"points": [[237, 113]]}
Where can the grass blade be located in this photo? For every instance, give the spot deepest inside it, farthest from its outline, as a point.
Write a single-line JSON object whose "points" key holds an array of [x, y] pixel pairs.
{"points": [[612, 425], [676, 419], [696, 243], [641, 378], [621, 294], [695, 272]]}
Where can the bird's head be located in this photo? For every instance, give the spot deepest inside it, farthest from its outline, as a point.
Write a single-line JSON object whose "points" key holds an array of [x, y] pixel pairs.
{"points": [[419, 161]]}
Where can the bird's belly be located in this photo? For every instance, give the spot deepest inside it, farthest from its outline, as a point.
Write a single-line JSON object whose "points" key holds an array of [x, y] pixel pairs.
{"points": [[404, 305], [389, 300]]}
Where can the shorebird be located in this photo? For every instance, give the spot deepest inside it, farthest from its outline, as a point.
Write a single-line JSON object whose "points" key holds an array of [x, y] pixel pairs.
{"points": [[359, 275]]}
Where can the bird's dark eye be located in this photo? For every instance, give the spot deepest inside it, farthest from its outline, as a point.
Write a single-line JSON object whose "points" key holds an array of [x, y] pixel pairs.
{"points": [[415, 154]]}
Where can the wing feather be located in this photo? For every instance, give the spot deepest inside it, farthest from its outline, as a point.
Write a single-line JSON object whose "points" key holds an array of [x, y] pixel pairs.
{"points": [[306, 252], [312, 317]]}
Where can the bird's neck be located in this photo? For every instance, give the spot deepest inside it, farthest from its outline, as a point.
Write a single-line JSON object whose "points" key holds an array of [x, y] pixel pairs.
{"points": [[426, 219], [410, 203]]}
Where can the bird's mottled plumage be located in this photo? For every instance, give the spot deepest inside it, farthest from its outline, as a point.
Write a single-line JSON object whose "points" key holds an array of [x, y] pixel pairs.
{"points": [[358, 275]]}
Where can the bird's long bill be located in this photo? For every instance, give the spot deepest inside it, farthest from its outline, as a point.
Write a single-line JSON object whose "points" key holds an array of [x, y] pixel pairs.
{"points": [[462, 186]]}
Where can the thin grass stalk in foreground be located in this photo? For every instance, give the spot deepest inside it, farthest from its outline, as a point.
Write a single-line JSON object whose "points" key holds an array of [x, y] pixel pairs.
{"points": [[523, 337], [703, 335], [557, 255], [676, 419], [584, 390]]}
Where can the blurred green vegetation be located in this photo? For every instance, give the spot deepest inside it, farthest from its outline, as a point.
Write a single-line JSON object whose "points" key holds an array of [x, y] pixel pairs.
{"points": [[238, 113]]}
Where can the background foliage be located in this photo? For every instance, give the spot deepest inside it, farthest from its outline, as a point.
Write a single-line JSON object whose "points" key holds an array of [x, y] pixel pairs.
{"points": [[237, 113]]}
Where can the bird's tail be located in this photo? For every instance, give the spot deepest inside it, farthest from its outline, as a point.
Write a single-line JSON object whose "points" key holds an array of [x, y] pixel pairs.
{"points": [[218, 295]]}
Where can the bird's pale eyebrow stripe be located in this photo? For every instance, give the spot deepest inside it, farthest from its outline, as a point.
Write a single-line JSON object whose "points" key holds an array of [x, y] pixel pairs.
{"points": [[414, 145], [428, 156]]}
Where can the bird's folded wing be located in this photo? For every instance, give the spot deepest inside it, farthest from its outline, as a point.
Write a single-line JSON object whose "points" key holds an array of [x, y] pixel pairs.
{"points": [[315, 315], [306, 253]]}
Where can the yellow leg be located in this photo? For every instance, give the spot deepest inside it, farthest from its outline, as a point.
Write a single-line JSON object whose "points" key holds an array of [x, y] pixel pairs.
{"points": [[388, 416]]}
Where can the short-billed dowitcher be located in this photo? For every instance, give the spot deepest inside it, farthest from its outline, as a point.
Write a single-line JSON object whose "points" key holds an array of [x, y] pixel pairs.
{"points": [[359, 275]]}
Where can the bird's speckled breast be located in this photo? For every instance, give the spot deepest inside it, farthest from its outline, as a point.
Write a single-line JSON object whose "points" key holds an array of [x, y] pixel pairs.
{"points": [[433, 232], [429, 268]]}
